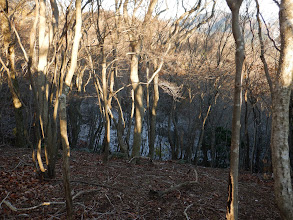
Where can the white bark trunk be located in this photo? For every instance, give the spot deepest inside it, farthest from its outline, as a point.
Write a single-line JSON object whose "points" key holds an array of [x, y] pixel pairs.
{"points": [[280, 114]]}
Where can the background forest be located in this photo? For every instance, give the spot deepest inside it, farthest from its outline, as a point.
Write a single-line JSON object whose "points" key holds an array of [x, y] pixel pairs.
{"points": [[140, 80]]}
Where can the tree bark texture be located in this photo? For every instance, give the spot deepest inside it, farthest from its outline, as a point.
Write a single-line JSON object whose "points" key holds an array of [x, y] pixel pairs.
{"points": [[232, 202], [280, 114]]}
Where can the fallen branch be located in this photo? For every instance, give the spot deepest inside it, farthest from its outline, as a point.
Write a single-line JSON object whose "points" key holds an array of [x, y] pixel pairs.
{"points": [[173, 188], [4, 198], [185, 211], [136, 160], [84, 182], [83, 192], [13, 208]]}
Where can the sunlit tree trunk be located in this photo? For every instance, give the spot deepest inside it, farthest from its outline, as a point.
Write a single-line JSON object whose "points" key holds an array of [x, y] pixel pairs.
{"points": [[153, 115], [63, 117], [135, 45], [42, 84], [138, 99], [232, 202], [106, 106]]}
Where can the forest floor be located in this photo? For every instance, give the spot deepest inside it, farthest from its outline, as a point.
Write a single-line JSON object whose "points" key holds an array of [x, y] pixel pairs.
{"points": [[122, 190]]}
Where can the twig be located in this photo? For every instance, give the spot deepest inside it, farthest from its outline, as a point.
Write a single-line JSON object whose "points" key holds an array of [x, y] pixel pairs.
{"points": [[109, 200], [83, 192], [13, 208], [268, 34], [83, 182], [134, 159], [185, 211], [4, 198], [21, 162]]}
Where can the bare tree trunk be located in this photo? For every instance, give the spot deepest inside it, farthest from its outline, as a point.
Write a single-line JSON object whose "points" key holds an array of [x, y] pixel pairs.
{"points": [[247, 142], [63, 118], [232, 202], [153, 116], [42, 84], [135, 44], [213, 146], [106, 142], [199, 145], [66, 155], [52, 120], [280, 114], [138, 100], [291, 130], [280, 152], [35, 91], [9, 44], [281, 91], [170, 135], [119, 125]]}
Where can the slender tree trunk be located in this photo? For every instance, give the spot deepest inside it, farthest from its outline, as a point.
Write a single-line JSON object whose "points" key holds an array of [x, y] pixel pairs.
{"points": [[42, 84], [105, 103], [63, 117], [138, 100], [291, 130], [247, 142], [170, 135], [232, 202], [254, 146], [154, 116], [213, 145], [66, 155], [130, 121], [9, 44], [119, 125], [199, 145], [35, 90]]}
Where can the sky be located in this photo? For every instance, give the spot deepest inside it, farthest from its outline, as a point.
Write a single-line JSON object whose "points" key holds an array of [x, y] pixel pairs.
{"points": [[268, 8]]}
